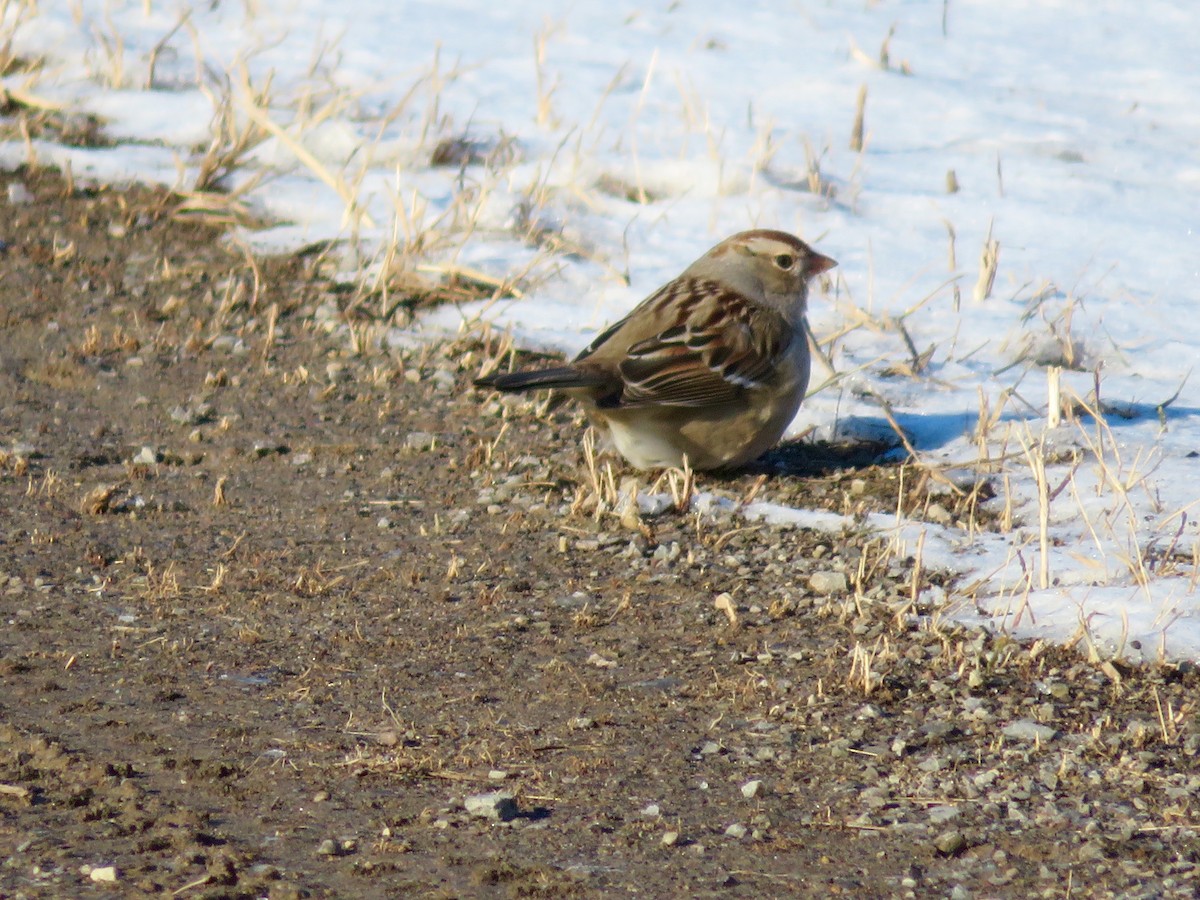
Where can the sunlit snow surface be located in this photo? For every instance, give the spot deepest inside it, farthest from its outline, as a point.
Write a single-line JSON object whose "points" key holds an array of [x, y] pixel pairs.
{"points": [[1072, 129]]}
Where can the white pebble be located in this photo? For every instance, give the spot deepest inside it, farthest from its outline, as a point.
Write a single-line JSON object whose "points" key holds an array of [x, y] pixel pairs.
{"points": [[1028, 730], [105, 874], [828, 583], [492, 805], [751, 788]]}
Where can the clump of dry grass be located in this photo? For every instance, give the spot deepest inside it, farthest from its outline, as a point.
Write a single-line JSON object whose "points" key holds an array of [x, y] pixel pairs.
{"points": [[860, 115], [234, 135], [1058, 345], [883, 59], [989, 262], [14, 13], [30, 115]]}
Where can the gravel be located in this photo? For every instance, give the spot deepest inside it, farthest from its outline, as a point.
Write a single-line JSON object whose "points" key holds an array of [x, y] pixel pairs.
{"points": [[688, 704]]}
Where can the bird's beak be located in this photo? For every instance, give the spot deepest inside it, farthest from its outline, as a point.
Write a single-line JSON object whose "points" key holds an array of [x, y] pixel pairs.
{"points": [[818, 264]]}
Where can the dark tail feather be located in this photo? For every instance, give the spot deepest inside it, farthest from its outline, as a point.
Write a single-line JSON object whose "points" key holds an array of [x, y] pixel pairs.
{"points": [[561, 377]]}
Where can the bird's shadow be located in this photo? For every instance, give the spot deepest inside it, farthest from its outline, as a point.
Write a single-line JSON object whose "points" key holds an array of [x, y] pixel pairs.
{"points": [[866, 441], [860, 443], [814, 459], [1121, 414]]}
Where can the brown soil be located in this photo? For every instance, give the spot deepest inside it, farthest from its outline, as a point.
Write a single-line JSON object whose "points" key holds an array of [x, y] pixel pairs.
{"points": [[275, 615]]}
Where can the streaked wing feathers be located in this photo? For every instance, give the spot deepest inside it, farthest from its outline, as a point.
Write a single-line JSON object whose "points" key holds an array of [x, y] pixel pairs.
{"points": [[725, 346]]}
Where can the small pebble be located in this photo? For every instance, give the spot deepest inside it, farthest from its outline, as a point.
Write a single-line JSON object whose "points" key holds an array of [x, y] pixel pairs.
{"points": [[939, 815], [726, 604], [653, 504], [419, 441], [667, 552], [949, 843], [1028, 730], [268, 448], [498, 805], [192, 414], [938, 514], [229, 343], [736, 830], [751, 789], [104, 874], [577, 600], [828, 583]]}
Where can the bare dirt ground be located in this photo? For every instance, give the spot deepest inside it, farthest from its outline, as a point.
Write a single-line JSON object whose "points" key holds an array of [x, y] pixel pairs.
{"points": [[283, 620]]}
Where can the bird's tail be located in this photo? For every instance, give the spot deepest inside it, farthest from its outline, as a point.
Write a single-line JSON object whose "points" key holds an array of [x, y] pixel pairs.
{"points": [[558, 378]]}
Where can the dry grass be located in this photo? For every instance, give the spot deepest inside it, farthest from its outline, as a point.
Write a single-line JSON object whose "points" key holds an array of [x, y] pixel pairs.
{"points": [[989, 262], [234, 136], [860, 115], [397, 277], [882, 61]]}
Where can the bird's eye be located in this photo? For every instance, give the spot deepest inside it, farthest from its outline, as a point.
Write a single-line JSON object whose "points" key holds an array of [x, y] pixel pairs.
{"points": [[785, 261]]}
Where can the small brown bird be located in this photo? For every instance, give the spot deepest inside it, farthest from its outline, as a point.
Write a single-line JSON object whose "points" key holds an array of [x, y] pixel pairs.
{"points": [[712, 366]]}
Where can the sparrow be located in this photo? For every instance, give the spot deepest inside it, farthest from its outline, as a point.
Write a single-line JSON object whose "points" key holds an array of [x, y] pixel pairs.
{"points": [[709, 369]]}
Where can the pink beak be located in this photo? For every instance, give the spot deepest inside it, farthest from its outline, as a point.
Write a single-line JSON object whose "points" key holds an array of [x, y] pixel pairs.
{"points": [[818, 264]]}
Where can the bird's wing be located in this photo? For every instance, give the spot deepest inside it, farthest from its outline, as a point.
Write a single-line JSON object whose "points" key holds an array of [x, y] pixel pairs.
{"points": [[725, 346]]}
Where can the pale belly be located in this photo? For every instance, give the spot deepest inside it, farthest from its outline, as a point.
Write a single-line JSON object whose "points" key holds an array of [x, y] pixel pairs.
{"points": [[713, 438]]}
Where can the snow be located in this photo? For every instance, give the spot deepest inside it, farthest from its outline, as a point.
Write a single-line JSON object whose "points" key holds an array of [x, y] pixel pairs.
{"points": [[1071, 128]]}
